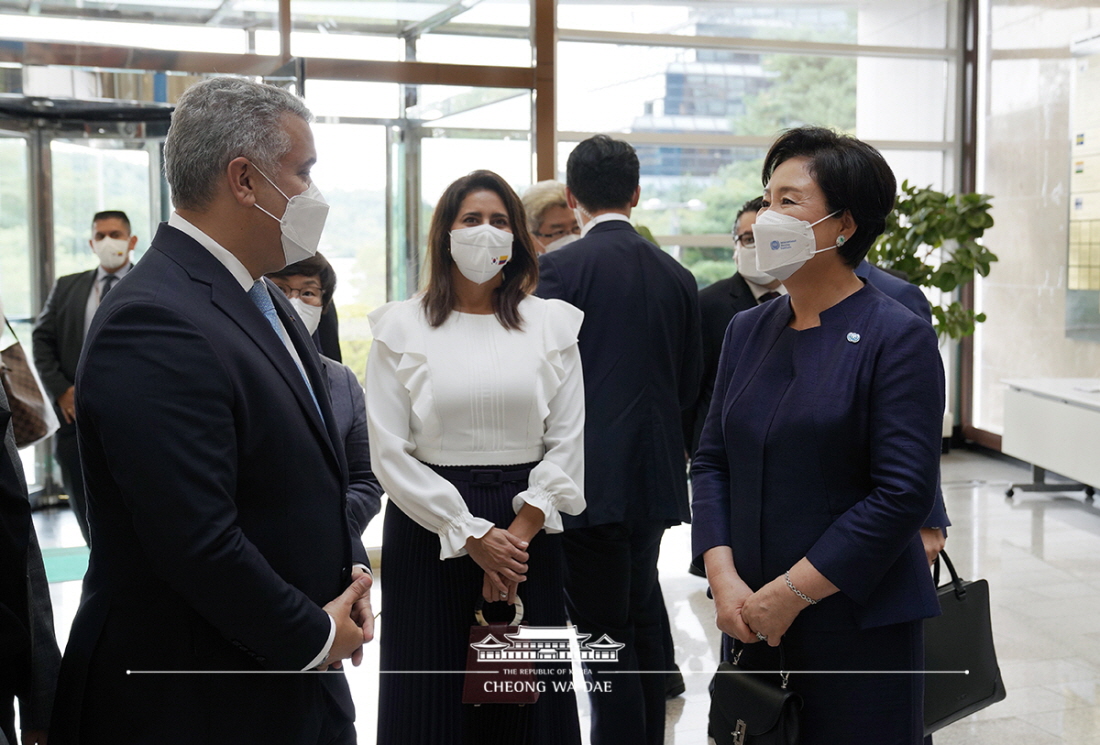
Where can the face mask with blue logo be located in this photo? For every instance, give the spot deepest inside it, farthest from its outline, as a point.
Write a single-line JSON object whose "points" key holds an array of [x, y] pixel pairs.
{"points": [[784, 243]]}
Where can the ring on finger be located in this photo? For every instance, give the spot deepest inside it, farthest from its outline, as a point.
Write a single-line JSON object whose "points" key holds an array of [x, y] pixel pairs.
{"points": [[761, 637]]}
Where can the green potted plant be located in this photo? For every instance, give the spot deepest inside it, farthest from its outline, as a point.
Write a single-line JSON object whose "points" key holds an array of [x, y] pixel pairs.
{"points": [[932, 238]]}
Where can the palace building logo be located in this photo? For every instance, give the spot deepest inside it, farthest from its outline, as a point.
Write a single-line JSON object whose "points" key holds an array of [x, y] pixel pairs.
{"points": [[544, 644]]}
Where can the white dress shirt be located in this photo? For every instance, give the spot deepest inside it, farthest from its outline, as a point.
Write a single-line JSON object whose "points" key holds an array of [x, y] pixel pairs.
{"points": [[473, 393], [96, 293], [605, 217]]}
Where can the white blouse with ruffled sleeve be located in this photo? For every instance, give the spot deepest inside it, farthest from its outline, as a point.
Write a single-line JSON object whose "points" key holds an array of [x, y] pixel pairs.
{"points": [[473, 393]]}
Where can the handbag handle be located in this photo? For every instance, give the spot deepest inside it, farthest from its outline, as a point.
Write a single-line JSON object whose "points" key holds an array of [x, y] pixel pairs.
{"points": [[479, 612], [960, 590], [784, 673]]}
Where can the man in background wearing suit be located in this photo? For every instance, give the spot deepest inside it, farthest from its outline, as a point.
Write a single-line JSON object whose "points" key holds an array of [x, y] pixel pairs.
{"points": [[215, 485], [720, 302], [641, 355], [28, 650], [934, 532], [59, 336]]}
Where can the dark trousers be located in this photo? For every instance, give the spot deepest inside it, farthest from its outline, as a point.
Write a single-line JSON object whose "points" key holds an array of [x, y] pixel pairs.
{"points": [[611, 589], [72, 478]]}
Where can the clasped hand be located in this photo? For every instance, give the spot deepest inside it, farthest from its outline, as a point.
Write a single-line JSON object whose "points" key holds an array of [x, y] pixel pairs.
{"points": [[769, 611], [354, 621], [503, 556]]}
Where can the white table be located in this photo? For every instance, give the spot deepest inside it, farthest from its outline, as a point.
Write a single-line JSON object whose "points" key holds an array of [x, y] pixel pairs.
{"points": [[1054, 424]]}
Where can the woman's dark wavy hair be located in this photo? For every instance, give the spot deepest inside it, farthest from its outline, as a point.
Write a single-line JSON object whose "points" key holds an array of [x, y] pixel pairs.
{"points": [[853, 176], [521, 274]]}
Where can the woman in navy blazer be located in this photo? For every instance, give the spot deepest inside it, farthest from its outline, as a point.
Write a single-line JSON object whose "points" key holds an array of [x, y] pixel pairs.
{"points": [[818, 461]]}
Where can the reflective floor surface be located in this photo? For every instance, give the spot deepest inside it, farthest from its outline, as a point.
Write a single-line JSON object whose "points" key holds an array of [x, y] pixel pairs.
{"points": [[1039, 552]]}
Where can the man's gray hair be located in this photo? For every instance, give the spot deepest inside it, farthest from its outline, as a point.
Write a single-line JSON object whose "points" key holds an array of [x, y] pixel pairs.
{"points": [[220, 119]]}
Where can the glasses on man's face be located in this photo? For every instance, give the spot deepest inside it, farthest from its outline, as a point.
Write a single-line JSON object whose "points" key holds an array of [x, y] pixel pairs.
{"points": [[745, 239]]}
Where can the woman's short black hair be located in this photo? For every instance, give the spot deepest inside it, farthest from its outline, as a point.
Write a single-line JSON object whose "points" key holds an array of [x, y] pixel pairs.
{"points": [[603, 173], [853, 176], [315, 266]]}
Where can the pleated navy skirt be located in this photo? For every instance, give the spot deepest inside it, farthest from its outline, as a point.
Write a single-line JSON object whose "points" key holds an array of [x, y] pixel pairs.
{"points": [[427, 612]]}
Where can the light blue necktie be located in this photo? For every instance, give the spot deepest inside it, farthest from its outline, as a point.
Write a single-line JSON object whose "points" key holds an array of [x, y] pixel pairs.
{"points": [[261, 298]]}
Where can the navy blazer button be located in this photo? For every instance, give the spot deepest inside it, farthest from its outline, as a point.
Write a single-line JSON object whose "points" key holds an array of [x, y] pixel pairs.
{"points": [[853, 337]]}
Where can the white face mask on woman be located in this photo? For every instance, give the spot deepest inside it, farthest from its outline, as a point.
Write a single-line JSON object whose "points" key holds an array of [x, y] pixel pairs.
{"points": [[481, 251], [310, 314], [302, 221], [784, 243]]}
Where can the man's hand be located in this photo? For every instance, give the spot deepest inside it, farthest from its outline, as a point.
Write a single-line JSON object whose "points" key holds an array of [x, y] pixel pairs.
{"points": [[67, 403], [349, 635], [362, 613], [934, 541]]}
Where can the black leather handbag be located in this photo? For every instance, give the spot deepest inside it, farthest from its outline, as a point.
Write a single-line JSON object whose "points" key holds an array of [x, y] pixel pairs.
{"points": [[960, 639], [749, 708]]}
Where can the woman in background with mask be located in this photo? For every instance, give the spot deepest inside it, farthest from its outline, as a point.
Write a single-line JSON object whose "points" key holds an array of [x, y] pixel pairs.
{"points": [[551, 222], [476, 412], [818, 461], [309, 285]]}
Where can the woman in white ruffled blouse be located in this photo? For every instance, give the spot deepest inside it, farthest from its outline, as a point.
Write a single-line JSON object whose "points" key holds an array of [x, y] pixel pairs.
{"points": [[476, 417]]}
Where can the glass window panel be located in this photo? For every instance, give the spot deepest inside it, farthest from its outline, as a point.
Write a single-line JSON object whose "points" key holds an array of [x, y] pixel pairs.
{"points": [[515, 13], [473, 50], [445, 159], [641, 89], [881, 22], [351, 173], [334, 45], [344, 98], [478, 108], [15, 240], [91, 177], [921, 168], [144, 34], [1015, 25]]}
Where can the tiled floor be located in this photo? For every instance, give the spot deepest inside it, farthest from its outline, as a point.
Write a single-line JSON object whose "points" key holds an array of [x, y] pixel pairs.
{"points": [[1040, 553]]}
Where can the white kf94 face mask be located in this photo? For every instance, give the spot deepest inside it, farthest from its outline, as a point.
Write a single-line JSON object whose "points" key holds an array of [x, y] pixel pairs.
{"points": [[302, 222], [784, 243], [310, 314], [481, 251], [112, 252]]}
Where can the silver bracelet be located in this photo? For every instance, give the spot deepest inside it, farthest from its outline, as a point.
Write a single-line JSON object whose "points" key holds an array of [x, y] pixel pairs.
{"points": [[796, 591]]}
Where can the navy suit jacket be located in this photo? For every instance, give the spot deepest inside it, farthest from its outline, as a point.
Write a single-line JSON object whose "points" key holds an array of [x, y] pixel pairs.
{"points": [[217, 498], [641, 355], [718, 304], [909, 295], [868, 420], [349, 408]]}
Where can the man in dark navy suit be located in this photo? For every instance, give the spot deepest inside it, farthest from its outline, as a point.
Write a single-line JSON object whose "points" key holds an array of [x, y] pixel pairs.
{"points": [[216, 492], [641, 354], [720, 302]]}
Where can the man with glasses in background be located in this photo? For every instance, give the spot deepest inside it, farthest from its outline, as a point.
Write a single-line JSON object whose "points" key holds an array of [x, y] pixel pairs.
{"points": [[719, 303]]}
